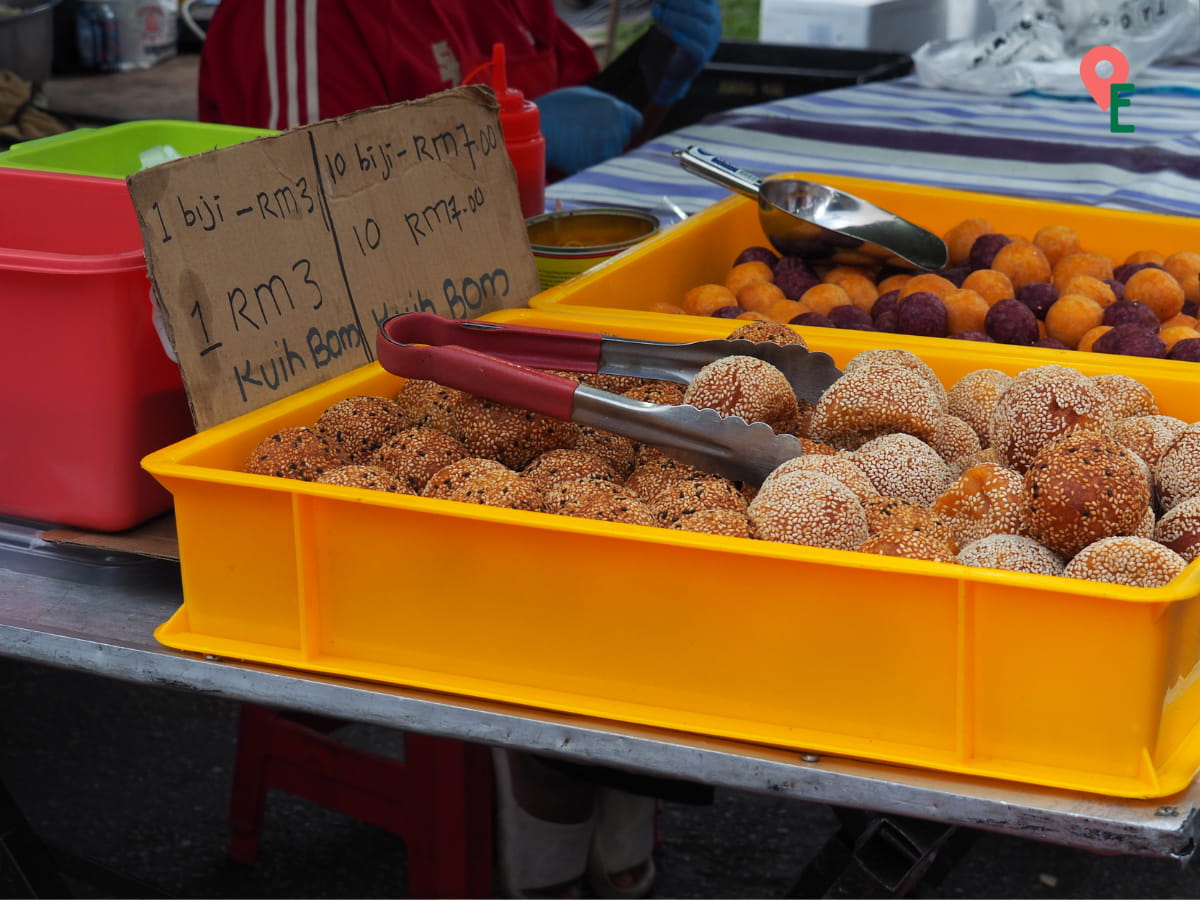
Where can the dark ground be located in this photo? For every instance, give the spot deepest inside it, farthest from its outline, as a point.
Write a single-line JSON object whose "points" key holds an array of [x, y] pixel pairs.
{"points": [[138, 778]]}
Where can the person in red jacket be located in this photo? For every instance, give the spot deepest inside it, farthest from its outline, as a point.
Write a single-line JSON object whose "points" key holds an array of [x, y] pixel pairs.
{"points": [[282, 63]]}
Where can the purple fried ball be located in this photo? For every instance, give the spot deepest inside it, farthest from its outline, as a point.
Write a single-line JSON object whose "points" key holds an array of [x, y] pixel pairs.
{"points": [[813, 320], [922, 313], [1117, 287], [1039, 296], [984, 250], [794, 281], [1131, 340], [1129, 312], [794, 264], [956, 275], [727, 312], [1121, 273], [1010, 321], [850, 316], [973, 336], [1188, 349], [886, 321], [757, 253], [1050, 343], [885, 303], [1191, 308]]}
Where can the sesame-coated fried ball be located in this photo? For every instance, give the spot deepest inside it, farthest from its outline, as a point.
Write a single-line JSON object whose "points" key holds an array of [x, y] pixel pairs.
{"points": [[775, 332], [655, 470], [747, 387], [900, 465], [973, 397], [416, 453], [361, 476], [358, 426], [811, 508], [905, 359], [987, 499], [446, 480], [986, 455], [664, 393], [294, 452], [910, 543], [954, 438], [429, 403], [563, 464], [614, 384], [1147, 436], [1126, 559], [1039, 405], [1012, 552], [617, 450], [1125, 396], [592, 498], [727, 522], [1179, 529], [691, 495], [890, 513], [1177, 475], [839, 466], [508, 434], [1082, 487], [503, 488], [875, 399]]}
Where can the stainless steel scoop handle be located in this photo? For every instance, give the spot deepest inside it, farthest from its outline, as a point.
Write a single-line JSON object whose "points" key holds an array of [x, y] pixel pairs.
{"points": [[726, 174]]}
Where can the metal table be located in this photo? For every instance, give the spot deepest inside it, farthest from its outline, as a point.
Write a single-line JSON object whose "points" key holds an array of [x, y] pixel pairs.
{"points": [[96, 612]]}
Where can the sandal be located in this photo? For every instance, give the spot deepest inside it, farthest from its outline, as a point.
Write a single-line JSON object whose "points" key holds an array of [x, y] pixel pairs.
{"points": [[623, 840], [535, 856]]}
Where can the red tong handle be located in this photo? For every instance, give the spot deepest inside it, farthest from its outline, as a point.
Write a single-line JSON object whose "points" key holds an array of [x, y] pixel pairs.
{"points": [[473, 371], [540, 348]]}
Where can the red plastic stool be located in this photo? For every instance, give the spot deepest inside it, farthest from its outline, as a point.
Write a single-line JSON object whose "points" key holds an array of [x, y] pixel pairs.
{"points": [[438, 799]]}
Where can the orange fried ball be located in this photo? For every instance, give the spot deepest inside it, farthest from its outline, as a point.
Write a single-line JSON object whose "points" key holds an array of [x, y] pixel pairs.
{"points": [[1138, 257], [758, 296], [705, 299], [929, 282], [296, 451], [1157, 289], [960, 237], [1083, 263], [744, 273], [821, 298], [860, 289], [992, 285], [966, 310], [1023, 263], [1057, 241], [1092, 287], [1071, 316], [1184, 267], [1088, 340]]}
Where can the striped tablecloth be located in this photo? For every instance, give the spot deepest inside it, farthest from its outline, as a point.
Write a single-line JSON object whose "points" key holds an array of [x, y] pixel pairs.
{"points": [[1053, 148]]}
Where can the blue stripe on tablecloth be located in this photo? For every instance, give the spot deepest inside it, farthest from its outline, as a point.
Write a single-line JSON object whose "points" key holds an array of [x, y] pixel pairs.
{"points": [[1034, 146]]}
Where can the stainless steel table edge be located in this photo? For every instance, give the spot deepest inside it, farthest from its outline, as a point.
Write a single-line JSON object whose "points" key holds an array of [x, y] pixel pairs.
{"points": [[107, 629]]}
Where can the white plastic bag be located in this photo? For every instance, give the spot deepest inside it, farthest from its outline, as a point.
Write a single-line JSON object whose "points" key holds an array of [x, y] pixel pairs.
{"points": [[1038, 44]]}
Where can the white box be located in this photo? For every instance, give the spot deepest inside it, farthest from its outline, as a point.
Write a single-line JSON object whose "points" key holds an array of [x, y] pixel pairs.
{"points": [[899, 26]]}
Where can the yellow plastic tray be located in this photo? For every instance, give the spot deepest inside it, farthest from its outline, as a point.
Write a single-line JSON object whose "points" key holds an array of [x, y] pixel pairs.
{"points": [[1035, 679], [702, 248]]}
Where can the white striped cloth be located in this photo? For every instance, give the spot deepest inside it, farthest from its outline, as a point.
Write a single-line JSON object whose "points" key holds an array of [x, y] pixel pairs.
{"points": [[1048, 147]]}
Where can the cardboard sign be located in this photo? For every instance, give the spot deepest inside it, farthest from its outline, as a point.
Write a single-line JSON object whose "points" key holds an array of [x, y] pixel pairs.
{"points": [[275, 260]]}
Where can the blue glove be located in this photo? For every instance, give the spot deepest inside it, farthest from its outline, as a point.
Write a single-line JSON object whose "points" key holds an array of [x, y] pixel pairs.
{"points": [[695, 27], [584, 126]]}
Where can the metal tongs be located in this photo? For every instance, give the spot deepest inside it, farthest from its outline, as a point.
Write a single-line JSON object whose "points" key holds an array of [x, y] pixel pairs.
{"points": [[501, 363]]}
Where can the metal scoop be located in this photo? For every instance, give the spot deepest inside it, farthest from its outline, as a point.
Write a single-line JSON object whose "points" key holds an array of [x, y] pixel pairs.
{"points": [[726, 445], [803, 218], [808, 372]]}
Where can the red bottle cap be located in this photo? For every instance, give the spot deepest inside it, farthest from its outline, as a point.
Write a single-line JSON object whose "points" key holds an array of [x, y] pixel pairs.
{"points": [[520, 118]]}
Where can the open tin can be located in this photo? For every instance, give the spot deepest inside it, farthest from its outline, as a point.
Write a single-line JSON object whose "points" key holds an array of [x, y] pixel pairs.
{"points": [[569, 242]]}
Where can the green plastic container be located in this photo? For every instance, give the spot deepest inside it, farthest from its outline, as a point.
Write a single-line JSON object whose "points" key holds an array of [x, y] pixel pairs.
{"points": [[114, 151]]}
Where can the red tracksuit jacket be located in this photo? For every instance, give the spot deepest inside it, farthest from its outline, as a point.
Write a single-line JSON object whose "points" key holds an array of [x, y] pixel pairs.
{"points": [[280, 63]]}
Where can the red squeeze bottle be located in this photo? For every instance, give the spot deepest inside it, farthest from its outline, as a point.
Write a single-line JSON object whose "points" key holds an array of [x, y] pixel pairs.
{"points": [[521, 123]]}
